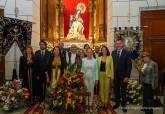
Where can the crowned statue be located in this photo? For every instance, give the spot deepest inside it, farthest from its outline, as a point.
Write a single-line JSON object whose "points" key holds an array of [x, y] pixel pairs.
{"points": [[76, 25]]}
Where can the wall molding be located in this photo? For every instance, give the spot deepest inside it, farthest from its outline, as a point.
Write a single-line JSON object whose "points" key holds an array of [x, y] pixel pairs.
{"points": [[152, 8]]}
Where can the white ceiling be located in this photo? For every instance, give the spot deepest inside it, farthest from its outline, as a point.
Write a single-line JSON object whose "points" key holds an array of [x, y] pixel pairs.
{"points": [[149, 2]]}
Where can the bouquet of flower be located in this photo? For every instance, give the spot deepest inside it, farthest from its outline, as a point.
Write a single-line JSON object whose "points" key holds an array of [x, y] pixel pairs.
{"points": [[12, 95], [69, 93], [134, 92]]}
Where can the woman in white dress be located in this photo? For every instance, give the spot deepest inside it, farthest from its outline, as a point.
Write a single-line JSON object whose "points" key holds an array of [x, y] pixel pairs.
{"points": [[90, 69]]}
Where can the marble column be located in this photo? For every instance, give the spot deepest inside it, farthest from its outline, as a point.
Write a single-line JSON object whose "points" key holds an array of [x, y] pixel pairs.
{"points": [[35, 24], [51, 20], [110, 41]]}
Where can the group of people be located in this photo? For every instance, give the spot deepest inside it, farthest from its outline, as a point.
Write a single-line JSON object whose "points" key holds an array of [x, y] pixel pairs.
{"points": [[100, 67]]}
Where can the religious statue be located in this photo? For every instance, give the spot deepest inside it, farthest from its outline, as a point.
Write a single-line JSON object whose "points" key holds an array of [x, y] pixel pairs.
{"points": [[76, 26]]}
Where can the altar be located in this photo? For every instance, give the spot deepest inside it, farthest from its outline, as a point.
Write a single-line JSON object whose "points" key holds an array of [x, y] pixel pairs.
{"points": [[74, 22]]}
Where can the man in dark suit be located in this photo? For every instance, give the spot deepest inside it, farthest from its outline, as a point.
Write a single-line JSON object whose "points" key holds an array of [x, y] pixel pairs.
{"points": [[122, 71], [43, 70]]}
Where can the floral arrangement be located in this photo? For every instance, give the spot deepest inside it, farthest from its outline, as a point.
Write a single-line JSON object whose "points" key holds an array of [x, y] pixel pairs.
{"points": [[12, 95], [70, 93], [49, 46], [134, 92]]}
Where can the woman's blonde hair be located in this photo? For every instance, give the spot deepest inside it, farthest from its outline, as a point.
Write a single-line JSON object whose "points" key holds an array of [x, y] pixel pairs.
{"points": [[30, 47]]}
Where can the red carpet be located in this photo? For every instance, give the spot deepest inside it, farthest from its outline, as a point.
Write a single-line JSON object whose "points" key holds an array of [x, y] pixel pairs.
{"points": [[35, 109]]}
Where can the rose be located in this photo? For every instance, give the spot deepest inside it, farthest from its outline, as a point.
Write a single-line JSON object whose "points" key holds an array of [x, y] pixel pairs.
{"points": [[69, 105], [82, 82], [26, 97], [63, 79], [1, 92], [65, 94], [12, 92], [80, 74]]}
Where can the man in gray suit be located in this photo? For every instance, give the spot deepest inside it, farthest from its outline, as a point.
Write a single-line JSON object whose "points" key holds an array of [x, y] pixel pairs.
{"points": [[150, 77]]}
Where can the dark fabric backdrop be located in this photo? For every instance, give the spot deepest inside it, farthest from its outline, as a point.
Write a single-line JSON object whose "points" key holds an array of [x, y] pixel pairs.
{"points": [[14, 30]]}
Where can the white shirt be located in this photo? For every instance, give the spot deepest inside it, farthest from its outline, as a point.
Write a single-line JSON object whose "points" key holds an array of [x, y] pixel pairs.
{"points": [[42, 52], [73, 58], [144, 67], [120, 51]]}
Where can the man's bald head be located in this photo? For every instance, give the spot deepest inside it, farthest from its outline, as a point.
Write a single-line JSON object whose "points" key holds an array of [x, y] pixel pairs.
{"points": [[73, 48]]}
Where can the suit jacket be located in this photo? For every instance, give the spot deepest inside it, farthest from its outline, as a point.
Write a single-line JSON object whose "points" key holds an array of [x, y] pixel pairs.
{"points": [[69, 57], [63, 54], [95, 67], [150, 74], [42, 64], [163, 77], [109, 68], [123, 65]]}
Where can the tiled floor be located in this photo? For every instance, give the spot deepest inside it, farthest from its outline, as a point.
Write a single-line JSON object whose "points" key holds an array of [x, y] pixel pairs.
{"points": [[136, 110], [20, 111], [132, 110]]}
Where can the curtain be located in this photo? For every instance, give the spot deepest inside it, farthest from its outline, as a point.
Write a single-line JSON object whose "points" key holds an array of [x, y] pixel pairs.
{"points": [[69, 9]]}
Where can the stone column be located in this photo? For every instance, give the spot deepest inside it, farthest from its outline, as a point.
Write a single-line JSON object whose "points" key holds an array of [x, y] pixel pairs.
{"points": [[60, 20], [100, 20], [91, 19], [35, 24], [51, 20], [44, 19], [110, 41]]}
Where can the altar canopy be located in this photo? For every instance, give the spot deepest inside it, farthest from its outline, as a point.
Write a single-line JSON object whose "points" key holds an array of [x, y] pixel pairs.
{"points": [[70, 7]]}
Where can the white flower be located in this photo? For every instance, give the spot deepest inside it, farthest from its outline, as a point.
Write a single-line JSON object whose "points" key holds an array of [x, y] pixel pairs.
{"points": [[13, 98], [7, 101], [6, 107], [130, 92], [139, 98], [1, 92], [132, 96], [19, 91], [3, 98], [138, 88], [7, 83]]}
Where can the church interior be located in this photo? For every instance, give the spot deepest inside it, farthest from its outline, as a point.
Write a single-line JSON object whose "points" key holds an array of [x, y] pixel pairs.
{"points": [[30, 24]]}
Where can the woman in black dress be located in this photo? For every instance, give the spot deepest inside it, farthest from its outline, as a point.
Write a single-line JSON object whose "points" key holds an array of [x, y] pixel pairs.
{"points": [[26, 70]]}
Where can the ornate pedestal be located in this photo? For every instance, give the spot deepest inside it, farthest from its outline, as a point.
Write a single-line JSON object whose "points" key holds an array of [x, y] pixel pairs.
{"points": [[77, 42]]}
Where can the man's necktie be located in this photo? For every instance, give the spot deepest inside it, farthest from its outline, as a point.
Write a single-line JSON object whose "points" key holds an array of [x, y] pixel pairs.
{"points": [[118, 54], [42, 53]]}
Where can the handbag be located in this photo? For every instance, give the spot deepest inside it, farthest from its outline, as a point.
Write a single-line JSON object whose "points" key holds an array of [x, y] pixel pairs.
{"points": [[157, 102]]}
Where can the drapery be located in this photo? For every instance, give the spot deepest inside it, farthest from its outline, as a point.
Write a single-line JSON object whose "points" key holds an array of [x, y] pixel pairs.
{"points": [[12, 30], [69, 9]]}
